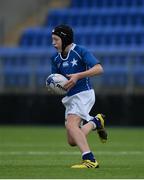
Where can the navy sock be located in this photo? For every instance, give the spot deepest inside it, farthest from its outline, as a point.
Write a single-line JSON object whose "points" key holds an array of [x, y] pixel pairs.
{"points": [[89, 156], [97, 122]]}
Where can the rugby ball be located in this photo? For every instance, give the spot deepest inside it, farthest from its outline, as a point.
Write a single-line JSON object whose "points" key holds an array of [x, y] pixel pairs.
{"points": [[56, 82]]}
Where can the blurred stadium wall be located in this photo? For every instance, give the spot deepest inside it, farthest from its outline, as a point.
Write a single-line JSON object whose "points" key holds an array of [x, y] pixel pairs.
{"points": [[113, 30], [16, 15]]}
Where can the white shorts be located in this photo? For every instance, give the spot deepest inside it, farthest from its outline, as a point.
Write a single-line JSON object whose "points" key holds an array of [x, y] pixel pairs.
{"points": [[80, 104]]}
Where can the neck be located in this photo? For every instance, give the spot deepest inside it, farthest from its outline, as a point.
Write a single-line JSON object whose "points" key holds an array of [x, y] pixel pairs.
{"points": [[65, 52], [67, 49]]}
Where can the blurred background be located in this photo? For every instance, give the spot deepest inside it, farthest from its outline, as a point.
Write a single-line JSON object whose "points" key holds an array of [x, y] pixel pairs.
{"points": [[113, 30]]}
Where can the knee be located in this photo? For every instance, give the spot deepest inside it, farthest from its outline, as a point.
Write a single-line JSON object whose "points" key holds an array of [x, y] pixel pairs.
{"points": [[71, 143]]}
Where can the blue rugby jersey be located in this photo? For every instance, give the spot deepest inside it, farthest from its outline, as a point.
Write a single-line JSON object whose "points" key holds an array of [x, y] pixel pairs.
{"points": [[77, 60]]}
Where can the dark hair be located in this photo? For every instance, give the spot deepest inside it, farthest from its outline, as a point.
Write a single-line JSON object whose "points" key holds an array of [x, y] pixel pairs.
{"points": [[65, 33]]}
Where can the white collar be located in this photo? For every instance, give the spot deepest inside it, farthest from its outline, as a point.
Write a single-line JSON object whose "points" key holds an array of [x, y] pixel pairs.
{"points": [[72, 48]]}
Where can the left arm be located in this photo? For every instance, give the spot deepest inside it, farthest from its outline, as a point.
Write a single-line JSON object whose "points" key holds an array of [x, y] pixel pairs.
{"points": [[95, 70]]}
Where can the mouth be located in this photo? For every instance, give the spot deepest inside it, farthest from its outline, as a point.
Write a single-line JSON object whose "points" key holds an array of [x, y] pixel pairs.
{"points": [[55, 46]]}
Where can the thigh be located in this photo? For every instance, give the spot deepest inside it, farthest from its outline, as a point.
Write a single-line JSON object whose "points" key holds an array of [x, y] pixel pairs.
{"points": [[73, 120]]}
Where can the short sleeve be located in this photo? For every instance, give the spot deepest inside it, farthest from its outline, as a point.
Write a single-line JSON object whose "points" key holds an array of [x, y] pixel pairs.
{"points": [[89, 58], [54, 67]]}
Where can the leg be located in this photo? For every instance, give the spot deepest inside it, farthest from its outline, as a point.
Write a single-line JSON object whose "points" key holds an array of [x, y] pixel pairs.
{"points": [[70, 139], [75, 134], [80, 103], [99, 126], [97, 123], [85, 129]]}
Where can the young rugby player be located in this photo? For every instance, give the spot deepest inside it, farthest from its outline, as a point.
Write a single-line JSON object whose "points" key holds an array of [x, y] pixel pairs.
{"points": [[78, 64]]}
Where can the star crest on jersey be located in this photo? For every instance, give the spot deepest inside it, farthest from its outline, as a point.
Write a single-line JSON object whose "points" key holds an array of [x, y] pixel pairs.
{"points": [[74, 62]]}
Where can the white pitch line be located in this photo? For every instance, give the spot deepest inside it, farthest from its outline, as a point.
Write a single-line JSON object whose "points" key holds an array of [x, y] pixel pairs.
{"points": [[51, 144], [44, 153]]}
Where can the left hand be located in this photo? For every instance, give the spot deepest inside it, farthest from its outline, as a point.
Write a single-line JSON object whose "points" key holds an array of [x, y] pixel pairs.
{"points": [[73, 78]]}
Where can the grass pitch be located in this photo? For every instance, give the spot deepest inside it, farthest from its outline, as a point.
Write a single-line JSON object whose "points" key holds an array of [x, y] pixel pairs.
{"points": [[42, 152]]}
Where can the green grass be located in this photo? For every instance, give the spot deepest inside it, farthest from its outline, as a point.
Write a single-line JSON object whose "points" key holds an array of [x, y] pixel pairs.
{"points": [[42, 152]]}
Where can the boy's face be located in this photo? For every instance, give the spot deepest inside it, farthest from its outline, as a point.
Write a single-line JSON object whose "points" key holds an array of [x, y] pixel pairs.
{"points": [[57, 42]]}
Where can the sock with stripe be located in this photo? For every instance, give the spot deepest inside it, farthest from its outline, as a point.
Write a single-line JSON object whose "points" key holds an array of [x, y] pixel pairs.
{"points": [[88, 156], [96, 123]]}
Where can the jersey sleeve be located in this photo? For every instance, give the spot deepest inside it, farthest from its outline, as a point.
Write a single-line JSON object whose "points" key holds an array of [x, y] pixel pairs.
{"points": [[54, 67], [89, 58]]}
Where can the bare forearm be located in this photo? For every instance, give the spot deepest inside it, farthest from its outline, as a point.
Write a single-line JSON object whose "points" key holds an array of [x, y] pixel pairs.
{"points": [[73, 78], [96, 70]]}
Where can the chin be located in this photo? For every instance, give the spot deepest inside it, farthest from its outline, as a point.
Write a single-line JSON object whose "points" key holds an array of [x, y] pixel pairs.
{"points": [[59, 50]]}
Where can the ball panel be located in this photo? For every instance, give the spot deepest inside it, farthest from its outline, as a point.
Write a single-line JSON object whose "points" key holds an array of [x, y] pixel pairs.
{"points": [[56, 82]]}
